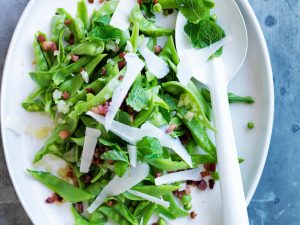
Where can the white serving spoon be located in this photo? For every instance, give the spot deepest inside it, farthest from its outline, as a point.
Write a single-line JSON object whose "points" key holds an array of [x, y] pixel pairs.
{"points": [[216, 75]]}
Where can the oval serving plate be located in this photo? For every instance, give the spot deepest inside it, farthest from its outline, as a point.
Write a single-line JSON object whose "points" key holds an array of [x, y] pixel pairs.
{"points": [[255, 79]]}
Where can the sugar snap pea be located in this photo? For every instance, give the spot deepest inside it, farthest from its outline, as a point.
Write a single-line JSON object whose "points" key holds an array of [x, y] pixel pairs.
{"points": [[82, 13]]}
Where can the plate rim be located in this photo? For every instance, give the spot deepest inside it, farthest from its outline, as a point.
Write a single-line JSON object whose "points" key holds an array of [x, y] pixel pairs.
{"points": [[254, 184]]}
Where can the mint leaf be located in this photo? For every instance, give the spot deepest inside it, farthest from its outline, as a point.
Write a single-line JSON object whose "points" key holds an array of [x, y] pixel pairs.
{"points": [[103, 32], [115, 156], [138, 98], [205, 33], [149, 148], [120, 168], [195, 10]]}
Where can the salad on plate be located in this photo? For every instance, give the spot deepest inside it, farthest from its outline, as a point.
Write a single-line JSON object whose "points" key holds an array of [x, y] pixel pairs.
{"points": [[131, 138]]}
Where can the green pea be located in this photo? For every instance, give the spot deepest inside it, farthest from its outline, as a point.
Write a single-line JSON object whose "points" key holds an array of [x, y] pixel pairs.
{"points": [[250, 125], [157, 8], [186, 199], [187, 206]]}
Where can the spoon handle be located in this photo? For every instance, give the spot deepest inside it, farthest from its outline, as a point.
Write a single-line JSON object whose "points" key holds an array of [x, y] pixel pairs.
{"points": [[233, 199]]}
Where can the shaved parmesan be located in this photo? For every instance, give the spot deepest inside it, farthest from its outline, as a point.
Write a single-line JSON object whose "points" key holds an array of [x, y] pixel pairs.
{"points": [[132, 135], [132, 155], [85, 76], [120, 18], [193, 174], [57, 94], [155, 64], [150, 198], [90, 142], [63, 107], [193, 59], [134, 66], [118, 185]]}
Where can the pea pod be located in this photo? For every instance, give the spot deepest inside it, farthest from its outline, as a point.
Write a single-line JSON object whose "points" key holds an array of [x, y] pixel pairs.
{"points": [[147, 213], [51, 143], [156, 191], [104, 95], [80, 220], [57, 24], [107, 8], [75, 25], [40, 61], [34, 102], [188, 100], [168, 4], [88, 48], [41, 78], [200, 136], [174, 210], [65, 190], [169, 51], [134, 39], [147, 27], [61, 55], [73, 85], [49, 56], [82, 13], [114, 215]]}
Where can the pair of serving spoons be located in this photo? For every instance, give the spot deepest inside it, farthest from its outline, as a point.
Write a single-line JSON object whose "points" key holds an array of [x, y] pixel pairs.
{"points": [[216, 75]]}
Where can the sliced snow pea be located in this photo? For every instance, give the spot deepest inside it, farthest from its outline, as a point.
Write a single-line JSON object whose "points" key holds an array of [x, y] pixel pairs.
{"points": [[168, 165], [147, 27], [82, 13], [34, 102], [52, 143], [104, 95], [49, 56], [232, 98], [200, 136], [169, 51], [134, 39], [114, 215], [107, 8], [61, 48], [156, 191], [189, 101], [198, 159], [40, 60], [88, 48], [75, 83], [57, 24], [148, 212], [95, 86], [80, 220], [174, 211], [201, 99], [75, 25], [67, 191], [61, 74]]}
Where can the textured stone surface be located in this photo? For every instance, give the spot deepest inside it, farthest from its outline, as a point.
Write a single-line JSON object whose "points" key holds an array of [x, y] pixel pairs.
{"points": [[277, 199]]}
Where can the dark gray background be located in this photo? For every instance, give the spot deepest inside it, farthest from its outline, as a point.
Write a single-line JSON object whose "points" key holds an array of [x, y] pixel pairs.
{"points": [[277, 199]]}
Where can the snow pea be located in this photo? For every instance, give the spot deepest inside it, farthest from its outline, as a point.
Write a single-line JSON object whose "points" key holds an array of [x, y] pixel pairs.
{"points": [[114, 215], [67, 191], [168, 165], [61, 48], [148, 212], [88, 48], [34, 102], [42, 78], [48, 104], [142, 116], [188, 100], [232, 98], [47, 54], [107, 8], [75, 83], [134, 39], [104, 95], [198, 159], [40, 61], [174, 211], [121, 208], [138, 212], [52, 143], [75, 25], [57, 24], [169, 51], [200, 136], [156, 191], [147, 27], [82, 13], [80, 220]]}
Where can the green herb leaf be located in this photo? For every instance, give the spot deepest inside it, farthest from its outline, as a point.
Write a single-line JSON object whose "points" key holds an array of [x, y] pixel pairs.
{"points": [[120, 168], [205, 33], [195, 10], [104, 32], [138, 98], [115, 155], [149, 148]]}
